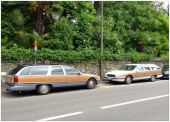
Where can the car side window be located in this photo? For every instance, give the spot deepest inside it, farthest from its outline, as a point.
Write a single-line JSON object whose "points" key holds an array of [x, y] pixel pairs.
{"points": [[154, 68], [147, 68], [57, 70], [25, 72], [140, 68], [38, 71], [70, 70]]}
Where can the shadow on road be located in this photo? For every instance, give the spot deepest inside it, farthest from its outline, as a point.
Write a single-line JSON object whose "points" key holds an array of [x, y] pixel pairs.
{"points": [[134, 82], [10, 94], [164, 78]]}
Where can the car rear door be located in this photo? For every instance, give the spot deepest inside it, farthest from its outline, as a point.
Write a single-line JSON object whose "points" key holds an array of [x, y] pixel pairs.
{"points": [[58, 78], [140, 73], [148, 71]]}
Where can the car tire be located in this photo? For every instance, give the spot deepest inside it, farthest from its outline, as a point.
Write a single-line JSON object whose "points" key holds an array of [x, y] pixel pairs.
{"points": [[153, 77], [128, 79], [91, 83], [43, 89]]}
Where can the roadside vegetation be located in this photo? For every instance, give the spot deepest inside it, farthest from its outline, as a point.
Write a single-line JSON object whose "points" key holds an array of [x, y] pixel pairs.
{"points": [[70, 31]]}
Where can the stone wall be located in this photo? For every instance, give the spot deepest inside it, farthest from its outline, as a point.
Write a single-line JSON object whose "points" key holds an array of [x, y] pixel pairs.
{"points": [[92, 67]]}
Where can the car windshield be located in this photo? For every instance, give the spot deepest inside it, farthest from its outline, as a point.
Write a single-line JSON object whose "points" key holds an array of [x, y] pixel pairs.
{"points": [[15, 70], [128, 67]]}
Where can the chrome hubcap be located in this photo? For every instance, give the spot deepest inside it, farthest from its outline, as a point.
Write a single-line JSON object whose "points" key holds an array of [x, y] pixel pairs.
{"points": [[91, 84], [153, 78], [44, 89], [128, 80]]}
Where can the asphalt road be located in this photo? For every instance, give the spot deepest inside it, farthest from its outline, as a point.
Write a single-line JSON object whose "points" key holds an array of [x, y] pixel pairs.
{"points": [[143, 101]]}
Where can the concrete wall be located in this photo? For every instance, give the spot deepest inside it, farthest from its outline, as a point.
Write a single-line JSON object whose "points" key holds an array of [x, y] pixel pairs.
{"points": [[92, 67]]}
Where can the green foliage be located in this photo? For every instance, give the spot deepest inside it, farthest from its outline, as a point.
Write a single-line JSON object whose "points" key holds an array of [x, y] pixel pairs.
{"points": [[133, 30], [142, 26], [132, 56], [17, 17], [136, 57], [165, 57], [17, 53], [23, 38]]}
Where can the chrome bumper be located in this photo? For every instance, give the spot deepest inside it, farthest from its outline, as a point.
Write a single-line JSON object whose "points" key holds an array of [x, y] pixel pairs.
{"points": [[114, 79], [20, 87]]}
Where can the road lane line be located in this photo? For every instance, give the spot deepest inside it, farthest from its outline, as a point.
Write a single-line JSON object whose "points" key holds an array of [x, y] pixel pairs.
{"points": [[61, 116], [134, 101]]}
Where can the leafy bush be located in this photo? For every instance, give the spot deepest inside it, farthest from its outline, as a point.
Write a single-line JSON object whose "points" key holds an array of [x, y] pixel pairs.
{"points": [[16, 54], [87, 54], [136, 57], [165, 57]]}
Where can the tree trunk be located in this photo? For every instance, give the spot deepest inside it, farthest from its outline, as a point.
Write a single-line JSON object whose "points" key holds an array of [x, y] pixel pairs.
{"points": [[40, 16], [140, 47]]}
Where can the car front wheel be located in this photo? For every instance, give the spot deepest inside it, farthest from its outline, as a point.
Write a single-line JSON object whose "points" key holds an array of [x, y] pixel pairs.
{"points": [[91, 84], [128, 80]]}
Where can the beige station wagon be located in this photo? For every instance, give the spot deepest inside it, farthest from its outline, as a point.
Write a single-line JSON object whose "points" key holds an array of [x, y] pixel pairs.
{"points": [[43, 78], [132, 72]]}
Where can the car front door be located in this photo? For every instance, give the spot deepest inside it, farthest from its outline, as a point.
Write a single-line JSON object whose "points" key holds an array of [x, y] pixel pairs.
{"points": [[73, 76]]}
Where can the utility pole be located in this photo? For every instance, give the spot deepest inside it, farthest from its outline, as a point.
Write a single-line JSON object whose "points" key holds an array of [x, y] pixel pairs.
{"points": [[101, 46]]}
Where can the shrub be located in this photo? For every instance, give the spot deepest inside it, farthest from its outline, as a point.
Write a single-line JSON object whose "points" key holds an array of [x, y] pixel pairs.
{"points": [[87, 54], [165, 57]]}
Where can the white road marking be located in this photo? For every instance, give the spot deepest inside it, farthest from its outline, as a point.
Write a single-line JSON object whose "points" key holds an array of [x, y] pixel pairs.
{"points": [[107, 86], [61, 116], [111, 86], [134, 101]]}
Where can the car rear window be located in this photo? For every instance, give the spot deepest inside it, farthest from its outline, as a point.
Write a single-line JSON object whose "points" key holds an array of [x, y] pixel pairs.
{"points": [[25, 72], [15, 70]]}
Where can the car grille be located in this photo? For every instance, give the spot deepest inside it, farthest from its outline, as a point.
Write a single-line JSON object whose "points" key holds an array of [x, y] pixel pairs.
{"points": [[110, 75]]}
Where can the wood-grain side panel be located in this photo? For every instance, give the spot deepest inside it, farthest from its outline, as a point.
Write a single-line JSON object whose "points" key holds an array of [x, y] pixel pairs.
{"points": [[145, 73], [35, 79], [76, 78]]}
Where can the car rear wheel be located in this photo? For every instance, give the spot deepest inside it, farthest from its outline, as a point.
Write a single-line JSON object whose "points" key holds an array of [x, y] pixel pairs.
{"points": [[128, 80], [43, 89], [91, 84], [152, 78]]}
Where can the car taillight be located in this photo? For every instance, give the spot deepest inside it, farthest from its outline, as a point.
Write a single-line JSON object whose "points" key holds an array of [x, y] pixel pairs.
{"points": [[15, 79]]}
